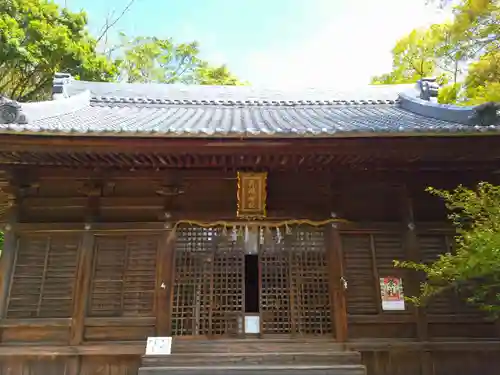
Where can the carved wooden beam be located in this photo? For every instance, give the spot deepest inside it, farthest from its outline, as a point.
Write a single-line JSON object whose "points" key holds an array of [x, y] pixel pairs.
{"points": [[169, 190], [97, 188]]}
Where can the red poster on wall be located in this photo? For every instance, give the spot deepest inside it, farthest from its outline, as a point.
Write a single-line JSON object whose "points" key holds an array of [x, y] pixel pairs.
{"points": [[391, 290]]}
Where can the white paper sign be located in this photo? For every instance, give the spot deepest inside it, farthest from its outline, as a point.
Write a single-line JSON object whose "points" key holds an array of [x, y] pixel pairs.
{"points": [[252, 324], [159, 346]]}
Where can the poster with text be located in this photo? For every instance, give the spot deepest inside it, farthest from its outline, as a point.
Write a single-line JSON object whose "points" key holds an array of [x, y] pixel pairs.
{"points": [[391, 290]]}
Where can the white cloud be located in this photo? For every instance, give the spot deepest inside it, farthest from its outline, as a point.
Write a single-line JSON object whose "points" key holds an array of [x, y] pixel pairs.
{"points": [[347, 50]]}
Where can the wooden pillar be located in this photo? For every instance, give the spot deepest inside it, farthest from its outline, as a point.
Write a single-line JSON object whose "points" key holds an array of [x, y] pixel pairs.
{"points": [[73, 365], [413, 282], [8, 255], [16, 185], [170, 189], [412, 254], [164, 281], [82, 285], [84, 268], [337, 283]]}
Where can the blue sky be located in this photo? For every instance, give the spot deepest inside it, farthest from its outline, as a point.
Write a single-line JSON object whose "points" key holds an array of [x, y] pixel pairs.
{"points": [[278, 43]]}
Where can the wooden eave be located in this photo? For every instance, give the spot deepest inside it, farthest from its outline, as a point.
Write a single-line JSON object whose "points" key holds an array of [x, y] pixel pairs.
{"points": [[139, 152]]}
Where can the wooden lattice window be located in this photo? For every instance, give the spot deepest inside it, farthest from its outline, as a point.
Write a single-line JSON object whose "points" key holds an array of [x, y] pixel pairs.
{"points": [[228, 281], [209, 282], [309, 277], [123, 282], [275, 287], [44, 276], [367, 257], [295, 294]]}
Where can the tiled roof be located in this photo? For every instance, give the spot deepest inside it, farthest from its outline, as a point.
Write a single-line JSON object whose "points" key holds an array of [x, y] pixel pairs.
{"points": [[215, 111], [229, 95]]}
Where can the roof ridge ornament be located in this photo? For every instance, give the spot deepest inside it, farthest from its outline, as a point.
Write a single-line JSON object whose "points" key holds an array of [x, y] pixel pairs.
{"points": [[59, 85], [428, 87], [486, 114], [239, 103], [11, 112]]}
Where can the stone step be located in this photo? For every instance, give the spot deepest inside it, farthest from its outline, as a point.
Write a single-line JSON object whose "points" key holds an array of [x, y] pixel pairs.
{"points": [[256, 370], [253, 358]]}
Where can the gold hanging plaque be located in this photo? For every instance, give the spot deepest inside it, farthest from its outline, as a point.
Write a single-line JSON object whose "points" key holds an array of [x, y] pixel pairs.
{"points": [[252, 195]]}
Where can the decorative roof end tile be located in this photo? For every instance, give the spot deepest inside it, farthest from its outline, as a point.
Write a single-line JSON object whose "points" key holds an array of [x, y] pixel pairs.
{"points": [[59, 85], [428, 87], [11, 112], [486, 114]]}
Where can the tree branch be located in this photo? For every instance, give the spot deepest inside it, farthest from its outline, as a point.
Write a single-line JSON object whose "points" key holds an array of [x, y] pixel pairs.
{"points": [[35, 90], [23, 82], [109, 25]]}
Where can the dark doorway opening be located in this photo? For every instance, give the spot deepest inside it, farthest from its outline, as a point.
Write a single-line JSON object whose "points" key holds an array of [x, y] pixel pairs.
{"points": [[251, 283]]}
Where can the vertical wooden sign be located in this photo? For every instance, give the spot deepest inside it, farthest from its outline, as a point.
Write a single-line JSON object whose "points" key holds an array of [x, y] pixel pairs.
{"points": [[251, 195]]}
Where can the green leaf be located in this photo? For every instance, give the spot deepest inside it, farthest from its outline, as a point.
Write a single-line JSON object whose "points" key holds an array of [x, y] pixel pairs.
{"points": [[468, 45], [150, 59], [39, 38], [474, 267]]}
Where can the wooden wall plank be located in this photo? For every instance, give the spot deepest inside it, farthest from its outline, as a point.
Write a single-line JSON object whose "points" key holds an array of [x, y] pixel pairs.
{"points": [[25, 335], [110, 365], [136, 348]]}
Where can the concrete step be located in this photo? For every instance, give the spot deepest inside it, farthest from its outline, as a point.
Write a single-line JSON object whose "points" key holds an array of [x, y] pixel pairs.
{"points": [[253, 358], [256, 370]]}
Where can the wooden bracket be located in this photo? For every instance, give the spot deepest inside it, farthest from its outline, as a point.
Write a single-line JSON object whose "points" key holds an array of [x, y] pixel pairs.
{"points": [[169, 190]]}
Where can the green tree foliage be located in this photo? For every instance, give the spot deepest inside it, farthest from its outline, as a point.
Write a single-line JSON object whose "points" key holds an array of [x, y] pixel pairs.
{"points": [[412, 59], [150, 59], [219, 75], [467, 46], [482, 84], [474, 267], [37, 39], [449, 94]]}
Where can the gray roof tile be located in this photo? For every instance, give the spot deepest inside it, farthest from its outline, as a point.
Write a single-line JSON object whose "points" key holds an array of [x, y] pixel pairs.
{"points": [[196, 94], [240, 121], [190, 111]]}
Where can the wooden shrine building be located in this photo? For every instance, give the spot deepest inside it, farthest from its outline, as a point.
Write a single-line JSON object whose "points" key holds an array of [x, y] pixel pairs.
{"points": [[235, 220]]}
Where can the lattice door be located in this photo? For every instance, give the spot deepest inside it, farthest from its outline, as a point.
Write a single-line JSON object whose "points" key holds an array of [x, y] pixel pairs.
{"points": [[295, 294], [209, 283], [275, 295]]}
